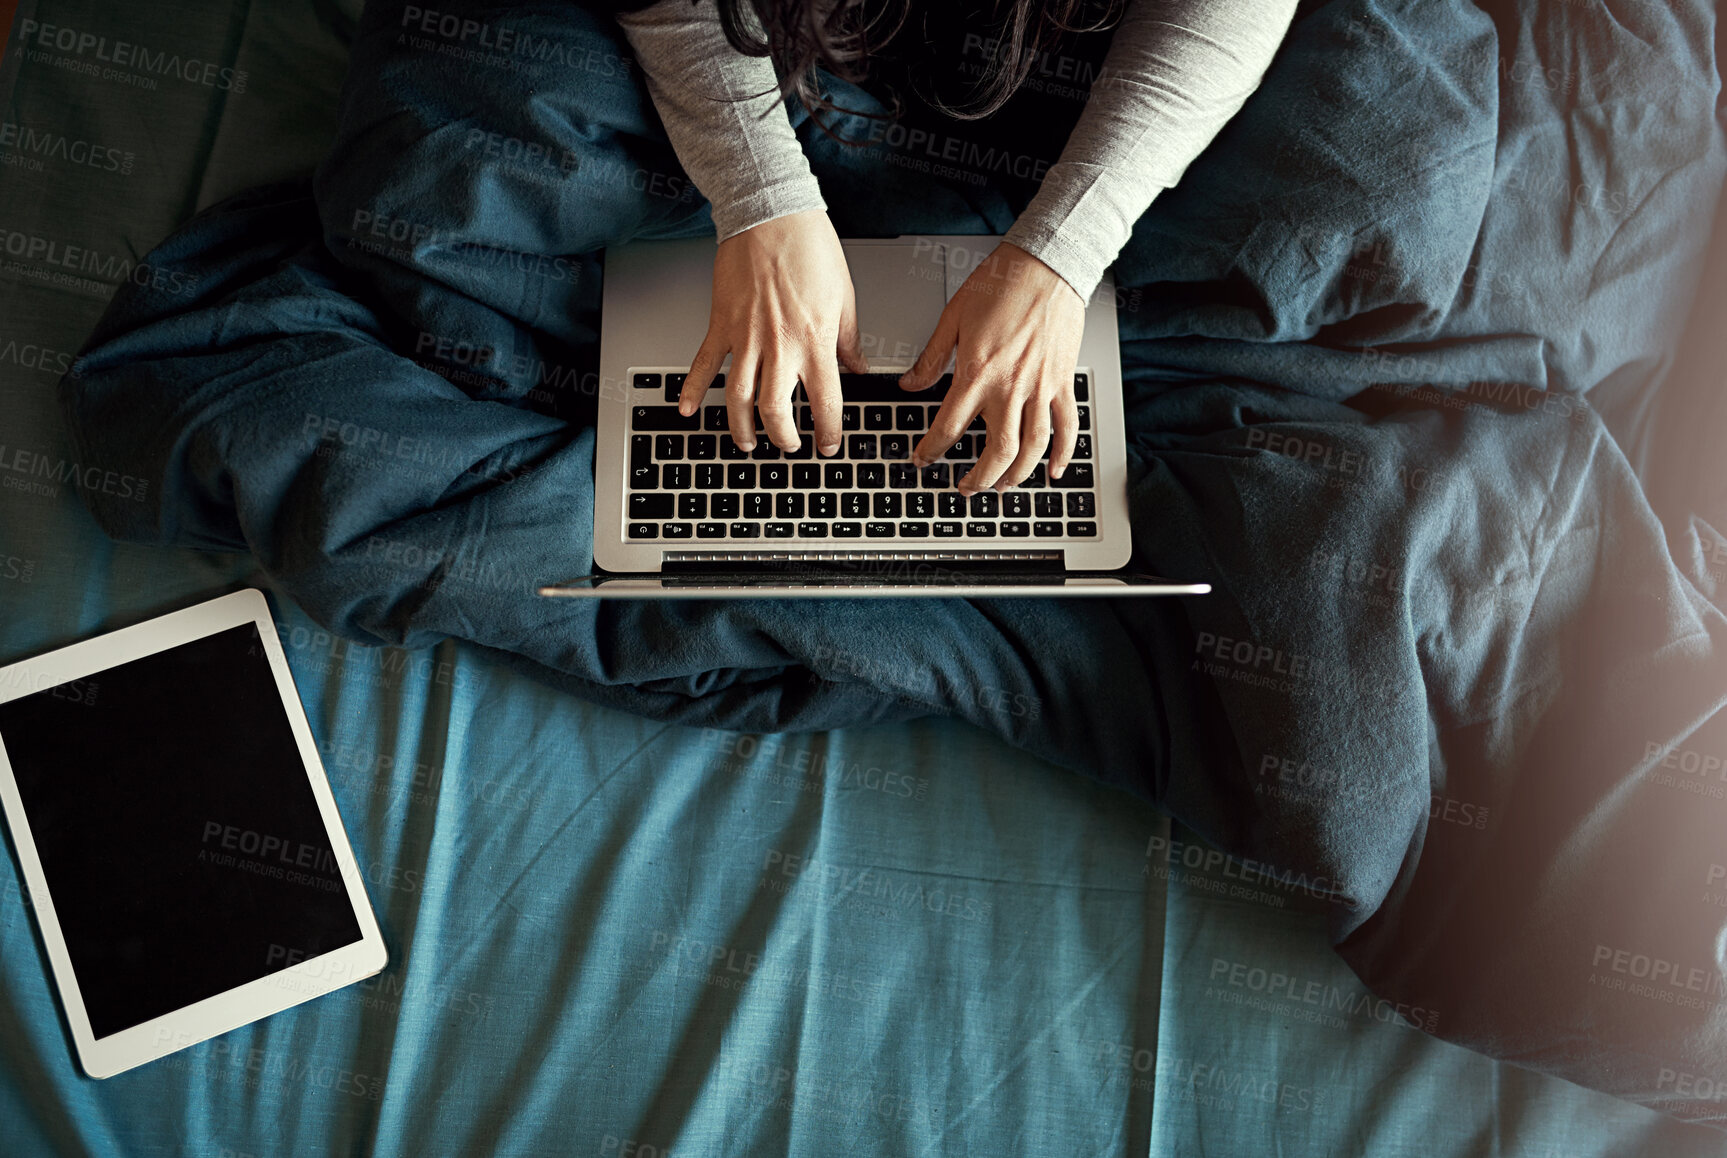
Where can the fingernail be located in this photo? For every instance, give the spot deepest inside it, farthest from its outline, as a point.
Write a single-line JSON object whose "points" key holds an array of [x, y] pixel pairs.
{"points": [[750, 445], [830, 448], [1056, 473]]}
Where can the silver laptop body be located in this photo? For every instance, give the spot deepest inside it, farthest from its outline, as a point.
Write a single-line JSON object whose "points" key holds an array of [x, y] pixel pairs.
{"points": [[681, 510]]}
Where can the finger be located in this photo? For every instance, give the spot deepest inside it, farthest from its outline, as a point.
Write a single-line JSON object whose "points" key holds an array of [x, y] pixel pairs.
{"points": [[1000, 448], [1066, 414], [849, 349], [774, 400], [1034, 437], [957, 410], [822, 386], [741, 397], [702, 370], [933, 360]]}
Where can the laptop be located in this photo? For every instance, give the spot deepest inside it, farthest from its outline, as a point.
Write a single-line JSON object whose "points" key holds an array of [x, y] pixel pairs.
{"points": [[680, 510]]}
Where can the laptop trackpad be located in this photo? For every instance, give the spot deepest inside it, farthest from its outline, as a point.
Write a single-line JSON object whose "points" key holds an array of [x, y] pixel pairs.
{"points": [[900, 293]]}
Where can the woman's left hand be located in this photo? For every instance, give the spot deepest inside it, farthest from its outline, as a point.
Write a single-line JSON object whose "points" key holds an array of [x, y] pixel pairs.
{"points": [[1016, 326]]}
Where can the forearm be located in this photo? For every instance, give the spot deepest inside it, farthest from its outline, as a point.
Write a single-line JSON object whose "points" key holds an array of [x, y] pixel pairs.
{"points": [[741, 153], [1175, 73]]}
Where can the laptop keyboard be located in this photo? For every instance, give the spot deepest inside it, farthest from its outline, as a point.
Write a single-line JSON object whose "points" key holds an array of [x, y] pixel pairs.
{"points": [[689, 480]]}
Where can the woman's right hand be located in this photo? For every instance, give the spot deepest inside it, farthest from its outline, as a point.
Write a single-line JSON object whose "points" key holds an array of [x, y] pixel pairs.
{"points": [[784, 309]]}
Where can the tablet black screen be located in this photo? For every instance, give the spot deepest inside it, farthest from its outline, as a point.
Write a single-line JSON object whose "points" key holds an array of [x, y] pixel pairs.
{"points": [[179, 836]]}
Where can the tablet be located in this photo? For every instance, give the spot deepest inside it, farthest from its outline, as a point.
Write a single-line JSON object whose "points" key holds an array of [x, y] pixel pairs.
{"points": [[176, 835]]}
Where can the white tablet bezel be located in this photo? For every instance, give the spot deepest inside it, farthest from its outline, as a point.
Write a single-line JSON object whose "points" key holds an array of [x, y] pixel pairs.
{"points": [[272, 993]]}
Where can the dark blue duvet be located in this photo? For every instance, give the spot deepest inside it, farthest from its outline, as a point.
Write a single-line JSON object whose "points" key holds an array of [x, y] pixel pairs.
{"points": [[1405, 382]]}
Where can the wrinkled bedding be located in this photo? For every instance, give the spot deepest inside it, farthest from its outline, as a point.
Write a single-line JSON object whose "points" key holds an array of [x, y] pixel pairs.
{"points": [[1457, 678]]}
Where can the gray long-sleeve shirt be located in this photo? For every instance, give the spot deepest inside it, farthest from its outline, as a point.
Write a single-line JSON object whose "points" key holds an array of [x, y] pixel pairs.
{"points": [[1175, 73]]}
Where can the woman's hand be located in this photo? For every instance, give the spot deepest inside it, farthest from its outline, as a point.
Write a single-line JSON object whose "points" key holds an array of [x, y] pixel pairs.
{"points": [[784, 309], [1016, 325]]}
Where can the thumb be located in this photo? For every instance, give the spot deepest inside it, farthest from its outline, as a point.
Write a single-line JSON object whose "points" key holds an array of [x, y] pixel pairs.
{"points": [[933, 360], [849, 350]]}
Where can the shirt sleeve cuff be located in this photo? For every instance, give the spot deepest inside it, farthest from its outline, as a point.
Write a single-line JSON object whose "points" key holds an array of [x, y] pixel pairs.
{"points": [[798, 195]]}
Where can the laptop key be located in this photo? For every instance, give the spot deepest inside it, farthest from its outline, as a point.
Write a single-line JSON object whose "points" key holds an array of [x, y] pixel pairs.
{"points": [[701, 446], [1048, 505], [896, 446], [724, 506], [960, 449], [885, 505], [668, 446], [788, 505], [1081, 388], [949, 530], [657, 418], [812, 530], [980, 530], [860, 446], [806, 449], [807, 476], [1082, 446], [758, 505], [901, 475], [851, 418], [854, 505], [839, 476], [693, 506], [985, 505], [1081, 505], [675, 476], [919, 505], [714, 419], [647, 381], [908, 418], [914, 530], [847, 530], [872, 474], [674, 388], [806, 420], [676, 531], [741, 476], [1085, 417], [644, 530], [730, 450], [951, 504], [641, 450], [710, 530], [935, 476], [775, 475], [1016, 530], [878, 418], [976, 423], [1082, 530], [746, 530], [879, 530], [710, 476], [645, 478], [651, 506], [1046, 530], [1037, 480], [780, 530], [1077, 476], [824, 505], [1016, 504], [766, 450]]}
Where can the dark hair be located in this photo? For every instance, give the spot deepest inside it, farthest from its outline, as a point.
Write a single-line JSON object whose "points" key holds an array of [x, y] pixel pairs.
{"points": [[838, 35]]}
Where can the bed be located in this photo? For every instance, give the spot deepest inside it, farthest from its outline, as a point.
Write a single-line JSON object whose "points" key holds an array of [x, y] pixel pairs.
{"points": [[620, 937]]}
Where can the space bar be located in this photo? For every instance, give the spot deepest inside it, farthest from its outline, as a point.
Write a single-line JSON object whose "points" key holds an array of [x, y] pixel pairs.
{"points": [[885, 388]]}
